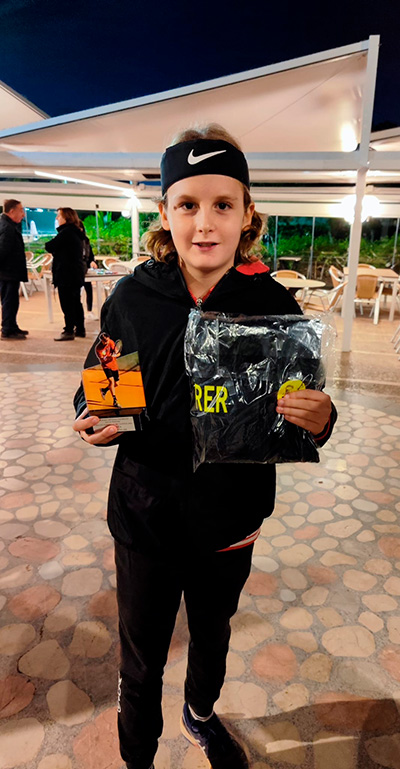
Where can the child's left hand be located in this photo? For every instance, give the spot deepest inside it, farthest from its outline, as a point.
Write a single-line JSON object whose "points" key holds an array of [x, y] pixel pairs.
{"points": [[309, 409]]}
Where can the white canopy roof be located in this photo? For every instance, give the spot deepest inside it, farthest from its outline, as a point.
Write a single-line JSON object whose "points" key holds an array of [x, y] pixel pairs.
{"points": [[386, 141], [308, 105], [299, 121], [15, 110]]}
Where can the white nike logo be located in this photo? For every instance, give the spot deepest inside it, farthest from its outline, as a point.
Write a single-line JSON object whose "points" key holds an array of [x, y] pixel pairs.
{"points": [[193, 159]]}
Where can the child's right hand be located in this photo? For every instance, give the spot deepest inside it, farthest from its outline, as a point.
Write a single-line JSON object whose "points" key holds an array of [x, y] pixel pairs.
{"points": [[98, 437]]}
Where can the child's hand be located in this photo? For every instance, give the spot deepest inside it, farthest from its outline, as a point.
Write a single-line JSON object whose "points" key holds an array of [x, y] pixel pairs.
{"points": [[309, 409], [97, 438]]}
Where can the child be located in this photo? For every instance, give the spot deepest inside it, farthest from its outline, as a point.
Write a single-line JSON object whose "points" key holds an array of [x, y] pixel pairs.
{"points": [[178, 531]]}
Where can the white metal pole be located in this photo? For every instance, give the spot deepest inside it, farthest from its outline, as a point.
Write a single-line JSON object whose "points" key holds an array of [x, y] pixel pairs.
{"points": [[135, 228], [276, 244], [355, 232], [310, 261], [396, 235], [354, 251], [97, 229]]}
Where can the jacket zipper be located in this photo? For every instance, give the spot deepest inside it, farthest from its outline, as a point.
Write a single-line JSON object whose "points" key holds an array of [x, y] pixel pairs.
{"points": [[199, 302]]}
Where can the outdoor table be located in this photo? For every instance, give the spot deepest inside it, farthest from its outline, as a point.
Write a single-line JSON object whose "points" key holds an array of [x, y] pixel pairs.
{"points": [[384, 275], [95, 276], [289, 258], [296, 283]]}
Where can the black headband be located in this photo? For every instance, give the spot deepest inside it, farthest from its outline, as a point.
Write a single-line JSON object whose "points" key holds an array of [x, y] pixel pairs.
{"points": [[202, 156]]}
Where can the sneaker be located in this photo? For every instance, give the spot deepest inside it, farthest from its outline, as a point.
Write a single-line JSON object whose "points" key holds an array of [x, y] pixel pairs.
{"points": [[13, 335], [91, 316], [65, 336], [220, 748], [103, 391], [21, 331], [116, 404]]}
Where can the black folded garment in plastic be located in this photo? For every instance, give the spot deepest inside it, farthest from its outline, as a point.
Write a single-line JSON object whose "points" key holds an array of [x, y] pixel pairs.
{"points": [[238, 367]]}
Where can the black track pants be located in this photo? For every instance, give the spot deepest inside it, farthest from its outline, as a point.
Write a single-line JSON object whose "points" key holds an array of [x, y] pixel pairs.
{"points": [[71, 305], [149, 591], [9, 293]]}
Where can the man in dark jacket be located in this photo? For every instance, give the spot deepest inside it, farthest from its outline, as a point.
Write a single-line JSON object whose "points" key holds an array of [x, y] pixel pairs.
{"points": [[12, 268]]}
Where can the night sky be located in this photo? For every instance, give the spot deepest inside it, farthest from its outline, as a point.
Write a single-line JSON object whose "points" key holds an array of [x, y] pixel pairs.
{"points": [[75, 55]]}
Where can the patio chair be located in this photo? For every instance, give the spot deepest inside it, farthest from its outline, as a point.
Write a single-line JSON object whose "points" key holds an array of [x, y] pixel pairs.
{"points": [[35, 266], [324, 301], [108, 261], [368, 293], [337, 276], [120, 267], [117, 267], [32, 264], [301, 295], [47, 260], [287, 274], [365, 265], [23, 290], [396, 336]]}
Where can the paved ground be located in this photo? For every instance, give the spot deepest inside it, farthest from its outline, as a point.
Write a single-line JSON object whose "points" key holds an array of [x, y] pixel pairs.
{"points": [[314, 669]]}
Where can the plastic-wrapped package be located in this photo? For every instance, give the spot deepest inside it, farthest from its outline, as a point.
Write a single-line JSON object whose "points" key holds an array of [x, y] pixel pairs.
{"points": [[238, 367]]}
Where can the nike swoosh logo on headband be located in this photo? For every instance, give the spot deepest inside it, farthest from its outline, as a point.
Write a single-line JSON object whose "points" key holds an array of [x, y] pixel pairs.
{"points": [[193, 159]]}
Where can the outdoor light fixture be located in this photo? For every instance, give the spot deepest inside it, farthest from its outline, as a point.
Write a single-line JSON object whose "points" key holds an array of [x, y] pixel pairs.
{"points": [[348, 138], [127, 193], [370, 208], [126, 213]]}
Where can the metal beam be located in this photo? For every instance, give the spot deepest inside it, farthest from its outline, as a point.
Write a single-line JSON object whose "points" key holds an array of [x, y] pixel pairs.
{"points": [[354, 252], [355, 232]]}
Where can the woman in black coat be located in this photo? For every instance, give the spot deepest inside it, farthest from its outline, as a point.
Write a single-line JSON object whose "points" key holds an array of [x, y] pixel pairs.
{"points": [[69, 272]]}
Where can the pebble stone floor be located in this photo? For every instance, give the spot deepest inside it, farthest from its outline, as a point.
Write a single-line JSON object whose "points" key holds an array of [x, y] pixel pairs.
{"points": [[313, 676]]}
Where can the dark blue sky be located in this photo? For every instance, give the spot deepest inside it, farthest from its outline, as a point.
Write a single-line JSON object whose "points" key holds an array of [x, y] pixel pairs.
{"points": [[75, 55]]}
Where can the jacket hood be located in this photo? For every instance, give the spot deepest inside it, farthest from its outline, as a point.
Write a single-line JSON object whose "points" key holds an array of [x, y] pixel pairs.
{"points": [[75, 229], [168, 279]]}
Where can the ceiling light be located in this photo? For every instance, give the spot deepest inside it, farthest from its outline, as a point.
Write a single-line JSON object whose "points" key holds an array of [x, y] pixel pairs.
{"points": [[63, 178], [348, 138], [370, 208]]}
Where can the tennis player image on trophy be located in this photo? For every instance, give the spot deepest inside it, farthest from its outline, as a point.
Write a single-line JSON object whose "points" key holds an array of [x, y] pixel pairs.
{"points": [[101, 379], [107, 352]]}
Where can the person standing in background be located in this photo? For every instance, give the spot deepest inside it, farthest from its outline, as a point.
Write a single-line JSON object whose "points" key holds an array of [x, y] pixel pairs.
{"points": [[89, 260], [12, 268], [69, 272]]}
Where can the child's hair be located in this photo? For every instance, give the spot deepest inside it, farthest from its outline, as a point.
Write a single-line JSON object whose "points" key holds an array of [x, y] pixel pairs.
{"points": [[70, 216], [158, 242]]}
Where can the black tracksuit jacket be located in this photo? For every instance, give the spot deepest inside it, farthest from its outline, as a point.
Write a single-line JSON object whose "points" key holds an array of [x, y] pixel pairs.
{"points": [[156, 501], [69, 266], [12, 251]]}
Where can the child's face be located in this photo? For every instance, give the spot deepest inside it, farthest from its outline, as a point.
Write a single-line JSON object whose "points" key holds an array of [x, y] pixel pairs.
{"points": [[206, 216]]}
